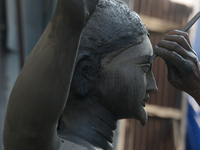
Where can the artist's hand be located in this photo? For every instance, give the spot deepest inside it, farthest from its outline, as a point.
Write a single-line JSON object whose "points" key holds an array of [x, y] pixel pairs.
{"points": [[182, 62], [81, 10]]}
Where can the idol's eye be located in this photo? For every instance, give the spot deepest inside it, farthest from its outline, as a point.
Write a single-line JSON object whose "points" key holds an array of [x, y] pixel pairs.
{"points": [[145, 67]]}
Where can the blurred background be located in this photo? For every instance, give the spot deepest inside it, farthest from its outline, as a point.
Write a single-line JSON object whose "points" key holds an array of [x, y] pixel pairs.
{"points": [[174, 117]]}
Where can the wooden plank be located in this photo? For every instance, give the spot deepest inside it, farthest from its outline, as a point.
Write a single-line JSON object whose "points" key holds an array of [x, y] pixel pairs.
{"points": [[142, 6], [157, 126], [150, 132], [137, 135], [183, 2], [122, 134], [143, 137], [163, 112], [136, 6], [184, 109], [166, 6], [159, 25], [149, 7], [132, 134]]}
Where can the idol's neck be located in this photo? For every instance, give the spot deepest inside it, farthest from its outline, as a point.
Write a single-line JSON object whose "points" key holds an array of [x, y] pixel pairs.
{"points": [[86, 122]]}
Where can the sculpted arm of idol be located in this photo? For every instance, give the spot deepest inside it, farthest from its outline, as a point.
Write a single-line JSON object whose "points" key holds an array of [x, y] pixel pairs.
{"points": [[41, 89], [182, 62]]}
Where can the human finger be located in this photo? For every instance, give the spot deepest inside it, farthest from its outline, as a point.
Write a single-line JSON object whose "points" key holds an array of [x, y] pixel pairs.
{"points": [[180, 39], [179, 32], [174, 46], [170, 56]]}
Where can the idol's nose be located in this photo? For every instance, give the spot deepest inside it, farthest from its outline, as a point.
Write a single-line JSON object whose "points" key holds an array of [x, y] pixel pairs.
{"points": [[151, 84]]}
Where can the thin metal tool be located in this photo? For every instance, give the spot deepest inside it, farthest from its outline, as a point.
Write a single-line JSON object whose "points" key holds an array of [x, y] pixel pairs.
{"points": [[185, 29]]}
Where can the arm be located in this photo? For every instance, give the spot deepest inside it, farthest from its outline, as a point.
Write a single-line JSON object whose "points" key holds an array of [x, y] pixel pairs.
{"points": [[40, 92], [182, 62]]}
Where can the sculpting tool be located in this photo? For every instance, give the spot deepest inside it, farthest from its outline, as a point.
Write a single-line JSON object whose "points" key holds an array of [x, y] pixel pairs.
{"points": [[185, 29]]}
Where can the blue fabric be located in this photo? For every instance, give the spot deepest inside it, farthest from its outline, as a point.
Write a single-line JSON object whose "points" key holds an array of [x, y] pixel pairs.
{"points": [[193, 114], [193, 126]]}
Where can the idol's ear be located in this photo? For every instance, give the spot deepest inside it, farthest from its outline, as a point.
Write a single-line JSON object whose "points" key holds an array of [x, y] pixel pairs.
{"points": [[85, 76]]}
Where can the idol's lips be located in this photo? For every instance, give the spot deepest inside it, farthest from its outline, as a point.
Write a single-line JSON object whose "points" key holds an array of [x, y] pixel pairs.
{"points": [[146, 99]]}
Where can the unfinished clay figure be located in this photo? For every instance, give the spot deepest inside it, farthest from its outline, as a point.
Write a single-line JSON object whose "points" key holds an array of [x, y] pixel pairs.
{"points": [[50, 110]]}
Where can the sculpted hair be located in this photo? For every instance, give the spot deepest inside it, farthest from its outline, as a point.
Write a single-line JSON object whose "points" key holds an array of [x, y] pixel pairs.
{"points": [[113, 27]]}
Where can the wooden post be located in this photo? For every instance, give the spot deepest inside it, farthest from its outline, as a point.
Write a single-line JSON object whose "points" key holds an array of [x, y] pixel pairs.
{"points": [[20, 33]]}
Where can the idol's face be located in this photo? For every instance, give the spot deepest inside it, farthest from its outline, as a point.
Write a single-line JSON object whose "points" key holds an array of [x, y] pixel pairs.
{"points": [[126, 81]]}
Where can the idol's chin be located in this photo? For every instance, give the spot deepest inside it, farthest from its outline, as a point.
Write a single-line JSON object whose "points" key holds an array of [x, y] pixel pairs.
{"points": [[143, 116]]}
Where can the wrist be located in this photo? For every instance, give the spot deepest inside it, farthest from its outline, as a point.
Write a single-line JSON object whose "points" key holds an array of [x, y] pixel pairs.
{"points": [[195, 93]]}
